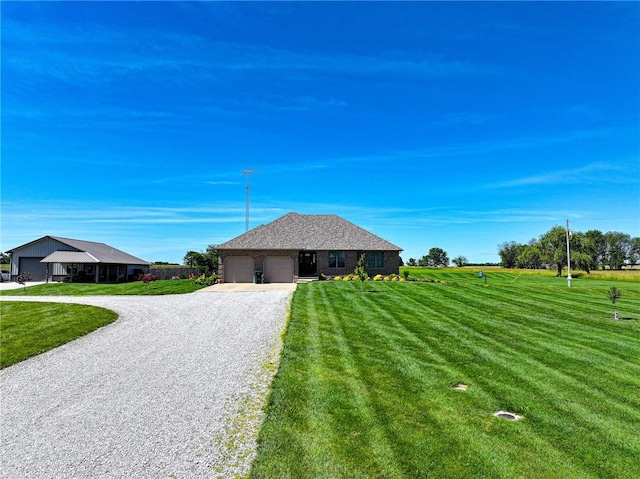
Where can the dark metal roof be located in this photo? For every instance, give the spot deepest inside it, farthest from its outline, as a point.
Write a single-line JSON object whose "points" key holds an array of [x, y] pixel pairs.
{"points": [[70, 257], [101, 252], [309, 232]]}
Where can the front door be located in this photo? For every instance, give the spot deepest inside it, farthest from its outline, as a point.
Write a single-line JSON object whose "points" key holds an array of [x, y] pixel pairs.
{"points": [[307, 263]]}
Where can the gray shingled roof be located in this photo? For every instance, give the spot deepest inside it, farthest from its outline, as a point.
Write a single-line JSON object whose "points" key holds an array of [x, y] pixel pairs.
{"points": [[309, 232], [102, 252]]}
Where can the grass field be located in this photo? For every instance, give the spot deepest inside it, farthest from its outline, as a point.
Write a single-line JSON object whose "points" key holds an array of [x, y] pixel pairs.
{"points": [[180, 286], [627, 275], [365, 388], [28, 329]]}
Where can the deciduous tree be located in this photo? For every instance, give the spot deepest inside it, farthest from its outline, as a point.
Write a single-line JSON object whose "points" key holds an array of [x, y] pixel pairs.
{"points": [[205, 263], [437, 257], [553, 247], [508, 252], [618, 248], [460, 261]]}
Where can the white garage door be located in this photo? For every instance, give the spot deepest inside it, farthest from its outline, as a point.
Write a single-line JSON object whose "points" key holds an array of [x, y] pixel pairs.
{"points": [[33, 266], [238, 269], [278, 269]]}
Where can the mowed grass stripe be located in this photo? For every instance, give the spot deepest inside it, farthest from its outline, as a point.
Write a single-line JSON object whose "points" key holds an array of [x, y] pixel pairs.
{"points": [[562, 383], [414, 428], [389, 356], [440, 386], [538, 366], [519, 377], [559, 319], [354, 411]]}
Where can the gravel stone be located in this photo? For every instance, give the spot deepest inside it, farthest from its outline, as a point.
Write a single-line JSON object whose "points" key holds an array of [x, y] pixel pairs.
{"points": [[175, 388]]}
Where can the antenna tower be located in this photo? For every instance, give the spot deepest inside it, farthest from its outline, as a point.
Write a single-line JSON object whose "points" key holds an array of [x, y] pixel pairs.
{"points": [[247, 173]]}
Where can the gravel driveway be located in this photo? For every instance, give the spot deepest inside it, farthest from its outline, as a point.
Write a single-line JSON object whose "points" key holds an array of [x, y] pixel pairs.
{"points": [[174, 388]]}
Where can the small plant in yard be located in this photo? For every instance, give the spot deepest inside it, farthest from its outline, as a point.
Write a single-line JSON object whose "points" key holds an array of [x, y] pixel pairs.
{"points": [[361, 270], [23, 278], [614, 294]]}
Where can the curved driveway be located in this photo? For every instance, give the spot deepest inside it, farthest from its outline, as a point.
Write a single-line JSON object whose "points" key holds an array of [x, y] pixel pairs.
{"points": [[174, 388]]}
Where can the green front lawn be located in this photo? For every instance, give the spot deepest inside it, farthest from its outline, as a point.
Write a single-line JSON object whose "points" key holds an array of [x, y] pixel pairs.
{"points": [[28, 329], [365, 385], [169, 286]]}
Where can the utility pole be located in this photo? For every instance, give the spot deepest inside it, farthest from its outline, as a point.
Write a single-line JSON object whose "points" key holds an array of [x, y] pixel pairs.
{"points": [[568, 256], [247, 173]]}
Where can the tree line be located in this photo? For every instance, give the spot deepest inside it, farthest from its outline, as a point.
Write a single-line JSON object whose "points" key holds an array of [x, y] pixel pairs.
{"points": [[437, 257], [589, 251]]}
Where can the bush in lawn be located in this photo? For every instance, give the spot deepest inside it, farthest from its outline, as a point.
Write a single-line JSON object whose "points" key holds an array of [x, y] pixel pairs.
{"points": [[207, 280], [614, 294], [337, 278], [23, 278], [148, 279], [378, 277]]}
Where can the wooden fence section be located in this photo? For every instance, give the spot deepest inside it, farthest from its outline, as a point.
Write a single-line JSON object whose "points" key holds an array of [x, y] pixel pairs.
{"points": [[168, 273]]}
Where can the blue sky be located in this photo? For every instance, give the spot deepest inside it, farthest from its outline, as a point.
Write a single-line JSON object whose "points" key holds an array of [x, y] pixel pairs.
{"points": [[431, 124]]}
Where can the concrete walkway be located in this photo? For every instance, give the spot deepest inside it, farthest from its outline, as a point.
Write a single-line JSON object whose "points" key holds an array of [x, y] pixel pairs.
{"points": [[248, 287], [13, 285]]}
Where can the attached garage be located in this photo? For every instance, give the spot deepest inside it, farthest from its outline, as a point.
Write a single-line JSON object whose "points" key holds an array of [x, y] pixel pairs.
{"points": [[278, 269], [37, 270], [238, 269]]}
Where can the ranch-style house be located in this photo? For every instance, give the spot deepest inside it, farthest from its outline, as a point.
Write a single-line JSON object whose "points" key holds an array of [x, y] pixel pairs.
{"points": [[52, 258], [297, 246]]}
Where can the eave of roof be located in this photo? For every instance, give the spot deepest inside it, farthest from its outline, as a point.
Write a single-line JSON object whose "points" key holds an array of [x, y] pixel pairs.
{"points": [[70, 257]]}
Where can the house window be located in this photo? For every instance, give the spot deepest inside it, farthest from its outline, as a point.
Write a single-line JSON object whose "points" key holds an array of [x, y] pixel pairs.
{"points": [[337, 259], [375, 259]]}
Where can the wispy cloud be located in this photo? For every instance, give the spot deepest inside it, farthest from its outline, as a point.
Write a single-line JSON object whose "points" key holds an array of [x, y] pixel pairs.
{"points": [[472, 148], [101, 221], [71, 57], [465, 118], [591, 173]]}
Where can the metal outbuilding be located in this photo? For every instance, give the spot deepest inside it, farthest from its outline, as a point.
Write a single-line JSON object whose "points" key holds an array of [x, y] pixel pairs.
{"points": [[52, 258]]}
